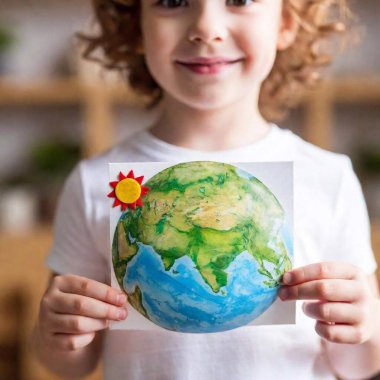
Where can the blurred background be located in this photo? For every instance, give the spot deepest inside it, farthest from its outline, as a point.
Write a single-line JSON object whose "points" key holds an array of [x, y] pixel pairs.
{"points": [[56, 108]]}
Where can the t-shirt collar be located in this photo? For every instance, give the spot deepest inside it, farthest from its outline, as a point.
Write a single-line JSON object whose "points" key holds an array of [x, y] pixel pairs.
{"points": [[160, 150]]}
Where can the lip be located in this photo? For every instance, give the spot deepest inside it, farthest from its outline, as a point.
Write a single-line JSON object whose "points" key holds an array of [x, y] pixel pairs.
{"points": [[208, 66], [208, 60]]}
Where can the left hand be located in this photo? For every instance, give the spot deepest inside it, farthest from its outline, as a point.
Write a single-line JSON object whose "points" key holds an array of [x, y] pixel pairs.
{"points": [[343, 304]]}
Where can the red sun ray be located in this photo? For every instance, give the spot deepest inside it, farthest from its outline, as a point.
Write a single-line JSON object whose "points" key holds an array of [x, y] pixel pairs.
{"points": [[116, 203], [139, 179], [144, 190]]}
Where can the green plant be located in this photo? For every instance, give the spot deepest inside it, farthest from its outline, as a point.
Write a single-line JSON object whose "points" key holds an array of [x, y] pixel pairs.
{"points": [[369, 159], [52, 160], [6, 39]]}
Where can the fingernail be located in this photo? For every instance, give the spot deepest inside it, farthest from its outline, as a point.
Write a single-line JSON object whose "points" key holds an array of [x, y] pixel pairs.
{"points": [[122, 314], [287, 278], [121, 299], [283, 293]]}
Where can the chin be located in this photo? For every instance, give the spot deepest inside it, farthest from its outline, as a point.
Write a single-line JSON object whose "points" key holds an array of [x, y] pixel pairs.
{"points": [[206, 102]]}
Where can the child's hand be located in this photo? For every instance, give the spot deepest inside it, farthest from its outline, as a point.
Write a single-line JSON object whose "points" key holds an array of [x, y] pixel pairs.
{"points": [[344, 305], [73, 308]]}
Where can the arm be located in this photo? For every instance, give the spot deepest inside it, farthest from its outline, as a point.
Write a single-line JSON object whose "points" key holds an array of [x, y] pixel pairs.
{"points": [[68, 335], [346, 307], [358, 361]]}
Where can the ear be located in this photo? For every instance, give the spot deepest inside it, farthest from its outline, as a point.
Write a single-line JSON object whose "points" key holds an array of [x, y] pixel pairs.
{"points": [[288, 31]]}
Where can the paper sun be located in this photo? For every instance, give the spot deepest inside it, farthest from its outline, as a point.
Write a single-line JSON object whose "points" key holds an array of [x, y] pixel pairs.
{"points": [[128, 191]]}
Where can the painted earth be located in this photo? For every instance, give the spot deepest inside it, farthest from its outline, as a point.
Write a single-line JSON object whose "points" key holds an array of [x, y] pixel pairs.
{"points": [[206, 250]]}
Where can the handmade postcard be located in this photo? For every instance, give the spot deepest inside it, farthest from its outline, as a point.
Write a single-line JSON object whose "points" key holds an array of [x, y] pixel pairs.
{"points": [[200, 246]]}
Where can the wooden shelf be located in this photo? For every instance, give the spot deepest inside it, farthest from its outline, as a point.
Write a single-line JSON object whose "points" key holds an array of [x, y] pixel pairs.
{"points": [[356, 90], [59, 91], [364, 89], [72, 90], [319, 104]]}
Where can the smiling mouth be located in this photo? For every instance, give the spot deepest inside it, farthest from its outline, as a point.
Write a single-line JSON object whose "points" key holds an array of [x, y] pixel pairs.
{"points": [[205, 68]]}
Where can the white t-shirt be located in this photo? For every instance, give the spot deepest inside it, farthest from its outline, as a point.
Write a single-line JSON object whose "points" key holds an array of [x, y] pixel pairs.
{"points": [[330, 224]]}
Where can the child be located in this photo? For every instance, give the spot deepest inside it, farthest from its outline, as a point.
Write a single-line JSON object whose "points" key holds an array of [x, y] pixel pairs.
{"points": [[221, 69]]}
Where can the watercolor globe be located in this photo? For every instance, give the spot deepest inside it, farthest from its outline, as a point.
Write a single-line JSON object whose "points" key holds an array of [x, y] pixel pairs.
{"points": [[205, 251]]}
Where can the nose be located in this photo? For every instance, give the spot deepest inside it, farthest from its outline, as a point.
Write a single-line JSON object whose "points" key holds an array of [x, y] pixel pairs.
{"points": [[208, 24]]}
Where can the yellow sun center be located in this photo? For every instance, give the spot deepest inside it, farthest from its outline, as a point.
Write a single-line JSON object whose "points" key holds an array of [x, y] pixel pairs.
{"points": [[128, 190]]}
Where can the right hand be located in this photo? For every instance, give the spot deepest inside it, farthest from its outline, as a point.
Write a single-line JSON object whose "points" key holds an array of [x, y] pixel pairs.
{"points": [[74, 308]]}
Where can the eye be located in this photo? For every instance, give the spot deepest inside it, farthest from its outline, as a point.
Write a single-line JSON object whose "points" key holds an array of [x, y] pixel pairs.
{"points": [[171, 3], [239, 3]]}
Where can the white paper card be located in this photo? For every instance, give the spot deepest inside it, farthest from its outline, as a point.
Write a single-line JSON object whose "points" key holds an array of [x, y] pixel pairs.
{"points": [[277, 176]]}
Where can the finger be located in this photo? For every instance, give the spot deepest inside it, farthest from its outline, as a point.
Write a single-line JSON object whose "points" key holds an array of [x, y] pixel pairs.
{"points": [[324, 290], [348, 334], [73, 324], [325, 270], [86, 306], [336, 312], [90, 288], [71, 342]]}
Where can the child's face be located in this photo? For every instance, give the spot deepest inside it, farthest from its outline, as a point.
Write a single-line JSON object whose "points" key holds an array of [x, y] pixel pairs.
{"points": [[242, 31]]}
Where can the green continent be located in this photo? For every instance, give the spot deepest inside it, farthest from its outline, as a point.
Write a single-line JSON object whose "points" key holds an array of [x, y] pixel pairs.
{"points": [[123, 251], [209, 212], [135, 299]]}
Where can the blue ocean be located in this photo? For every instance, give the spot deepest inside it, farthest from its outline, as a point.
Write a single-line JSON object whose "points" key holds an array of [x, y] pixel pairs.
{"points": [[180, 300]]}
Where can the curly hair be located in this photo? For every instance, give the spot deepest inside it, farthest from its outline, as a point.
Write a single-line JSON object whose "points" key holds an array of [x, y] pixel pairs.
{"points": [[294, 69]]}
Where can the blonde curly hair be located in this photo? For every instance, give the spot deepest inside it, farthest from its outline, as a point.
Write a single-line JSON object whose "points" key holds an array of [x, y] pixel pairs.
{"points": [[296, 68]]}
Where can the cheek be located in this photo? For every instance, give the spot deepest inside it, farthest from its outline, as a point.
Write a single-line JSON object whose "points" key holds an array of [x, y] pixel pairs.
{"points": [[260, 51], [156, 49], [159, 43], [153, 38]]}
